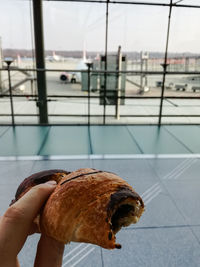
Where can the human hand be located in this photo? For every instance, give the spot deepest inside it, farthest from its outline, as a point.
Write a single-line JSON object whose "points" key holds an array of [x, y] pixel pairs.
{"points": [[17, 223]]}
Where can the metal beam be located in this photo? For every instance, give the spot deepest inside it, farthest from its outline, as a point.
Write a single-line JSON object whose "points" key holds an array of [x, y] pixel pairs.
{"points": [[165, 64], [40, 61], [106, 61], [128, 3], [131, 72]]}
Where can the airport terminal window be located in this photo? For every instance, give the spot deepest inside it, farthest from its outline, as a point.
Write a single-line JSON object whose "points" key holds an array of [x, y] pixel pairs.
{"points": [[184, 59], [129, 37], [16, 41]]}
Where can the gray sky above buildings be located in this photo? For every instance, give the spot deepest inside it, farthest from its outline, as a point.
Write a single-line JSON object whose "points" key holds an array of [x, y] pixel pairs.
{"points": [[71, 26]]}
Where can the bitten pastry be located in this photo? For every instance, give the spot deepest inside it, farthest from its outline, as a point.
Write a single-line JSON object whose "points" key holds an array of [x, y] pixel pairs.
{"points": [[87, 205]]}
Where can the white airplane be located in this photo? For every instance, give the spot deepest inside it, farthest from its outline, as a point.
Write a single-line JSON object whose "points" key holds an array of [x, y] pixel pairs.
{"points": [[54, 57], [75, 77]]}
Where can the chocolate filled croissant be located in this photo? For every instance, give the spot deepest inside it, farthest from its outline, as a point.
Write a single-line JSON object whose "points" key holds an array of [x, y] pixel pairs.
{"points": [[87, 205]]}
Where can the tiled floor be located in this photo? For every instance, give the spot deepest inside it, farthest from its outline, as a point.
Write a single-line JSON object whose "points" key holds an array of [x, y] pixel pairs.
{"points": [[168, 233], [162, 164], [98, 140]]}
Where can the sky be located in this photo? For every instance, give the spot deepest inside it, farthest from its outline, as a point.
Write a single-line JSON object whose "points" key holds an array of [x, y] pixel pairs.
{"points": [[75, 26]]}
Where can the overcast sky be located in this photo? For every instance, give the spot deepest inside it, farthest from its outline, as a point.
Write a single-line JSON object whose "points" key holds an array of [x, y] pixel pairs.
{"points": [[71, 26]]}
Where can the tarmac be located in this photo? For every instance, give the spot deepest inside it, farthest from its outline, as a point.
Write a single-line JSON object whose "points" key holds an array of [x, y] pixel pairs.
{"points": [[74, 110]]}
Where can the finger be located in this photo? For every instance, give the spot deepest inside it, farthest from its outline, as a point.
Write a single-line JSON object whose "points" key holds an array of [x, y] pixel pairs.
{"points": [[34, 229], [49, 252], [17, 263], [17, 220]]}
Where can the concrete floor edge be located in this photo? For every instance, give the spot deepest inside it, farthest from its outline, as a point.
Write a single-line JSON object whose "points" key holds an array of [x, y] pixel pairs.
{"points": [[103, 156]]}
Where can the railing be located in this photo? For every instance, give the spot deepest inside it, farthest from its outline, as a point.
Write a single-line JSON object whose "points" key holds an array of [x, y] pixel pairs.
{"points": [[102, 114]]}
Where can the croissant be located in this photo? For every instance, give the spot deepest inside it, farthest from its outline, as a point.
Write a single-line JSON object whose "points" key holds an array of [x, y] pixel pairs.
{"points": [[87, 205]]}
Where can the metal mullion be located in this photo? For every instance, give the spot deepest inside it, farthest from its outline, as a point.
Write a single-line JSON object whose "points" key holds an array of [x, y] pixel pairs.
{"points": [[40, 62], [105, 66], [131, 72], [128, 3], [98, 115], [11, 97], [165, 64], [89, 76], [91, 96]]}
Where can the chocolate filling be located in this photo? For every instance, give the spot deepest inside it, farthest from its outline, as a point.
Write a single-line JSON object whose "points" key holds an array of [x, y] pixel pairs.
{"points": [[120, 212], [122, 194], [118, 219]]}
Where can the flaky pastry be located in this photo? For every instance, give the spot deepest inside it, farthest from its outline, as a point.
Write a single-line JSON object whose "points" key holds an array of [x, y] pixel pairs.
{"points": [[87, 205]]}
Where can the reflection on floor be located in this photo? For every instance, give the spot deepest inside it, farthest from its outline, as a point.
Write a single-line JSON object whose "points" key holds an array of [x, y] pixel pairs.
{"points": [[168, 233], [98, 140]]}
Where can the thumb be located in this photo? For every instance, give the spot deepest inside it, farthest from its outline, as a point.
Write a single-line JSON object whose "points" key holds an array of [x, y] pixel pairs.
{"points": [[17, 220]]}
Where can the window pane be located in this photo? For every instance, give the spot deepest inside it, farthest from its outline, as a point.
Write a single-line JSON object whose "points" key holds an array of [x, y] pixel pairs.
{"points": [[184, 45], [16, 34]]}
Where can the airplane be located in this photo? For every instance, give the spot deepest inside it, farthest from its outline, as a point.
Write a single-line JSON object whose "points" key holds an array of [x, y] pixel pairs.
{"points": [[75, 77], [54, 57]]}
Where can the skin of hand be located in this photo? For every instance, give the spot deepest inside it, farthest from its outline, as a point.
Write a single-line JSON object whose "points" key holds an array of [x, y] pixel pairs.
{"points": [[17, 223]]}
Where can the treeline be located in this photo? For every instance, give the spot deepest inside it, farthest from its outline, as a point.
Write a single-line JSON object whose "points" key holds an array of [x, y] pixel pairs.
{"points": [[92, 54]]}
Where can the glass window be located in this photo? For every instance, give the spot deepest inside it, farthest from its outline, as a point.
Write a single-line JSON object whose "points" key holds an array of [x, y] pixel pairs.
{"points": [[16, 34]]}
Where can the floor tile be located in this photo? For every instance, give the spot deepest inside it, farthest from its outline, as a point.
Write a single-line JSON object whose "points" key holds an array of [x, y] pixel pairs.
{"points": [[22, 141], [155, 248], [68, 165], [185, 195], [3, 129], [171, 167], [82, 254], [155, 140], [69, 140], [14, 171], [196, 231], [7, 194], [112, 140], [188, 136]]}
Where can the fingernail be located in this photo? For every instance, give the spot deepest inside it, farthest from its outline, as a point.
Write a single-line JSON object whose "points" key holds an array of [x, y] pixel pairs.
{"points": [[51, 182]]}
